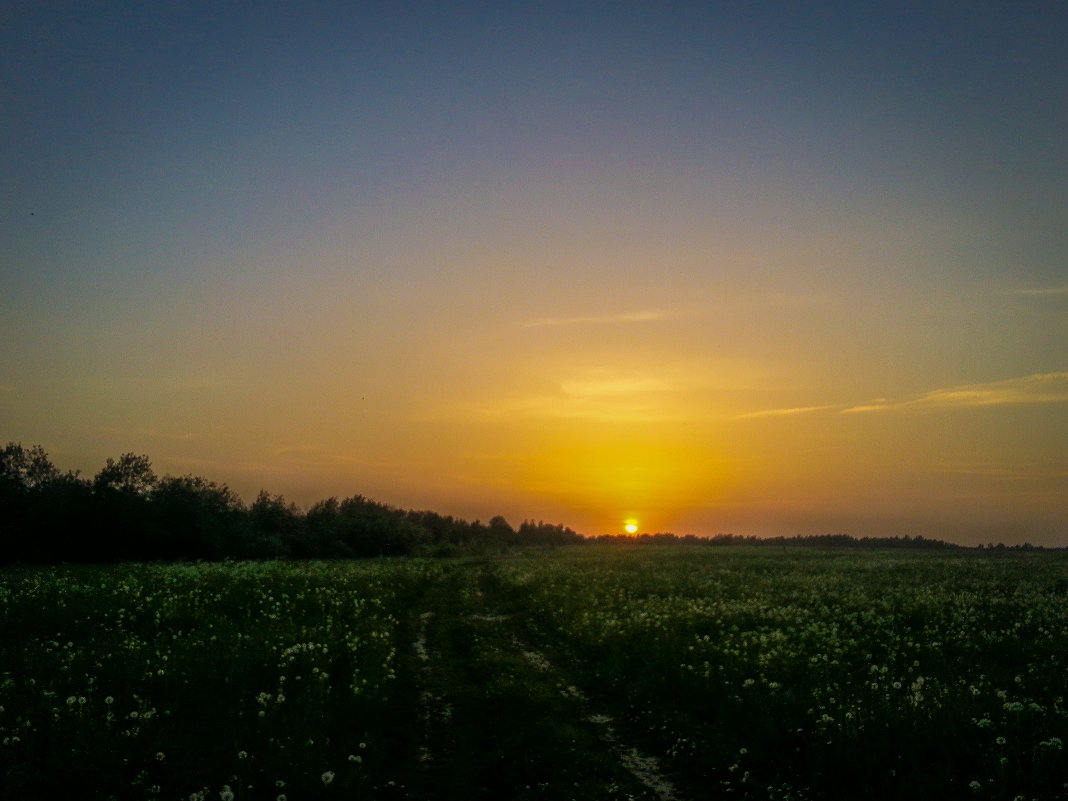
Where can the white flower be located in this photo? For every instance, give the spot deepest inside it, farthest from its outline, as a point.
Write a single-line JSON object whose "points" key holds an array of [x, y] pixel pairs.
{"points": [[327, 777], [226, 794]]}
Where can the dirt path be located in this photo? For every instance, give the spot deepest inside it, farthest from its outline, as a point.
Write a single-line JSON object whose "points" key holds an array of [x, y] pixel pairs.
{"points": [[500, 720]]}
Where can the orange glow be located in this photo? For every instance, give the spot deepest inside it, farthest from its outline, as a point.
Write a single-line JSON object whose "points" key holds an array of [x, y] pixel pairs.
{"points": [[631, 526]]}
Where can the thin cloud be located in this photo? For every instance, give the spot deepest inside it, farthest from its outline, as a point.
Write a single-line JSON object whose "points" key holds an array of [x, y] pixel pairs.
{"points": [[788, 412], [603, 319], [1031, 389], [1002, 472], [1057, 290], [596, 395], [149, 433], [614, 386]]}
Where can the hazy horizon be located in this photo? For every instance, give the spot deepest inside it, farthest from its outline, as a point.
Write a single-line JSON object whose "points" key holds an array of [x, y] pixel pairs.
{"points": [[762, 269]]}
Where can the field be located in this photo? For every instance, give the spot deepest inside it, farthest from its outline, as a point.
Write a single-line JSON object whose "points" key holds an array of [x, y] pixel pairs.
{"points": [[595, 672]]}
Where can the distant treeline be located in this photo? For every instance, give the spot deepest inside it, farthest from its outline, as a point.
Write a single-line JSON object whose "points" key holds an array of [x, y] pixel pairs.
{"points": [[127, 513], [807, 541]]}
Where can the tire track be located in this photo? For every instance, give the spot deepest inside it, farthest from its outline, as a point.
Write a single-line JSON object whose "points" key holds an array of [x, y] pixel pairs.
{"points": [[498, 719]]}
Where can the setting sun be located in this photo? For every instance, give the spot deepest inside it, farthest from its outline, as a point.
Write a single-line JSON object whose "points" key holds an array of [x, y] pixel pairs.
{"points": [[630, 526]]}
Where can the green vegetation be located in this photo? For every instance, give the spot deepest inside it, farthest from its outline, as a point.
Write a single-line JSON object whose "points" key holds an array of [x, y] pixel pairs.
{"points": [[602, 672], [127, 513]]}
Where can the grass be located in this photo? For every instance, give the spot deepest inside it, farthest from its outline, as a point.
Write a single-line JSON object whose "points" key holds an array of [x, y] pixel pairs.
{"points": [[597, 672]]}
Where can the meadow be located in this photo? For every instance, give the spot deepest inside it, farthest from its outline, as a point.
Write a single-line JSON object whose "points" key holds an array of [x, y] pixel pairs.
{"points": [[584, 672]]}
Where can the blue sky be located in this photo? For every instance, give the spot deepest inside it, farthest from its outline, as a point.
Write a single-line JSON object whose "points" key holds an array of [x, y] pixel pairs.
{"points": [[585, 262]]}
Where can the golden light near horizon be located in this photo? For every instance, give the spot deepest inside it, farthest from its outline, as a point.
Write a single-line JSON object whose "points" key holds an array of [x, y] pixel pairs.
{"points": [[633, 307]]}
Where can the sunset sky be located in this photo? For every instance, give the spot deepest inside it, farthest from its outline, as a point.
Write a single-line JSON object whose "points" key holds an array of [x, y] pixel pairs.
{"points": [[763, 268]]}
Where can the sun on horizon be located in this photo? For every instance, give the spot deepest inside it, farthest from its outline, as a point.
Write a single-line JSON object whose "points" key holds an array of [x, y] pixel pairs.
{"points": [[631, 526]]}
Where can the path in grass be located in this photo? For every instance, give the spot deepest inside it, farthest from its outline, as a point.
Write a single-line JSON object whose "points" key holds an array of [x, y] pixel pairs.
{"points": [[500, 719]]}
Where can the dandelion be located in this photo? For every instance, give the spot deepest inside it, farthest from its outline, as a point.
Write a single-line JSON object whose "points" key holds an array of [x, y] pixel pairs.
{"points": [[109, 700], [226, 794], [975, 786], [160, 756], [327, 777], [1000, 741]]}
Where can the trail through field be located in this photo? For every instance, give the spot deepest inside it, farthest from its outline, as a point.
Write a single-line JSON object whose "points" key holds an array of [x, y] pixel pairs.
{"points": [[499, 717]]}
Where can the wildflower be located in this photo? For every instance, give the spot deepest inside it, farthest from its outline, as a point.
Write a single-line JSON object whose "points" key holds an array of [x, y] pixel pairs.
{"points": [[242, 754], [226, 794], [1000, 741], [109, 700], [975, 786], [327, 777], [160, 756], [71, 701]]}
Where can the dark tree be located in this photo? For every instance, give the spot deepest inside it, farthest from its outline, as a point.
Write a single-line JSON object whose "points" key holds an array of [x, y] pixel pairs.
{"points": [[275, 524], [25, 468], [131, 474], [198, 519]]}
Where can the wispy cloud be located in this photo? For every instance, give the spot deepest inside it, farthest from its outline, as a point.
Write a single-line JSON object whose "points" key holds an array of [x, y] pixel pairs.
{"points": [[1003, 472], [596, 395], [607, 387], [1056, 290], [789, 412], [149, 433], [600, 319], [1031, 389]]}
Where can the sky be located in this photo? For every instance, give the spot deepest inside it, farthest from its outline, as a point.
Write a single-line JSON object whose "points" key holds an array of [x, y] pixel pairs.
{"points": [[765, 268]]}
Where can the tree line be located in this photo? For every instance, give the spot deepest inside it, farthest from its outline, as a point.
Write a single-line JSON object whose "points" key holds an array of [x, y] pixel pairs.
{"points": [[800, 540], [127, 513]]}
